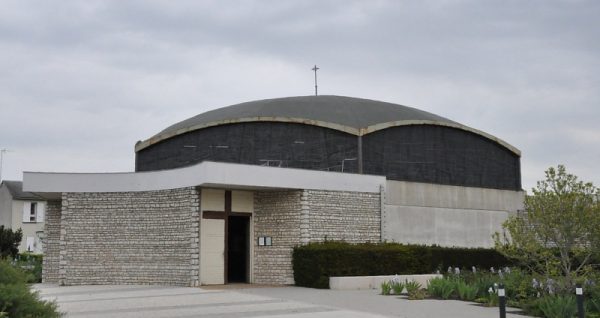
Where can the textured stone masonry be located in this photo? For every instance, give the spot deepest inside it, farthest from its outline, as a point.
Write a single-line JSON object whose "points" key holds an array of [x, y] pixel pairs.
{"points": [[51, 242], [130, 238], [292, 218], [152, 237], [352, 217], [276, 214]]}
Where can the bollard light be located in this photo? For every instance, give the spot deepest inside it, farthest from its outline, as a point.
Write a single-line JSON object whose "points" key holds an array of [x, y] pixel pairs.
{"points": [[579, 296], [502, 300]]}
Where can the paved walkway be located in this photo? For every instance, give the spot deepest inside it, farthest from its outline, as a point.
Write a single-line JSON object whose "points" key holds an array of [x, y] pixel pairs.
{"points": [[292, 302]]}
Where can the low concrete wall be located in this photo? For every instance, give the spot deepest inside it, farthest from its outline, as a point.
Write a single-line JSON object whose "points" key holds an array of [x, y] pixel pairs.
{"points": [[374, 282]]}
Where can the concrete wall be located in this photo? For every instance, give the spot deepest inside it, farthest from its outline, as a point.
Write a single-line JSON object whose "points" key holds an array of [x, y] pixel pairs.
{"points": [[52, 242], [129, 238], [423, 213]]}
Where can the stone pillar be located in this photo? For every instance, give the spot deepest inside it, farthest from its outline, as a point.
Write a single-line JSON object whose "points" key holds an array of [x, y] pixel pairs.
{"points": [[304, 219]]}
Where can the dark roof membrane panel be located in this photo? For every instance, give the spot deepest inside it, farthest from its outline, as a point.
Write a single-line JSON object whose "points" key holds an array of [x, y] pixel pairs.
{"points": [[441, 155], [419, 153], [259, 143]]}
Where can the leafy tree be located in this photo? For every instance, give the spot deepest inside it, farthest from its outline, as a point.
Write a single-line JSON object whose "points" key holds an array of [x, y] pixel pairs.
{"points": [[559, 231], [9, 242]]}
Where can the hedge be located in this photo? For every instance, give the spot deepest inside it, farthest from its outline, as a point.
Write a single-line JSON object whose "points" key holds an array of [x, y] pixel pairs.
{"points": [[316, 262]]}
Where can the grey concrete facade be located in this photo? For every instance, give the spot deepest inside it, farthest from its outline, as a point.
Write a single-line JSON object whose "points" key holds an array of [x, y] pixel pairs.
{"points": [[421, 213]]}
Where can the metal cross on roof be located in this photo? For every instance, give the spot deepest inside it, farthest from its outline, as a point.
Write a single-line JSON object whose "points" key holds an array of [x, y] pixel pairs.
{"points": [[315, 69]]}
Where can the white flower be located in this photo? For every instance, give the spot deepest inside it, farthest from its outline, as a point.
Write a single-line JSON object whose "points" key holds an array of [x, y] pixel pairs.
{"points": [[490, 290], [474, 269], [457, 271]]}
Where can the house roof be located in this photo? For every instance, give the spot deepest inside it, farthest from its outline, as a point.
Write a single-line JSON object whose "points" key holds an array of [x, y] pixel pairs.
{"points": [[16, 191]]}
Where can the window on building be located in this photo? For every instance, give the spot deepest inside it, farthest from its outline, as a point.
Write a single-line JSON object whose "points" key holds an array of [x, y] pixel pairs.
{"points": [[33, 212]]}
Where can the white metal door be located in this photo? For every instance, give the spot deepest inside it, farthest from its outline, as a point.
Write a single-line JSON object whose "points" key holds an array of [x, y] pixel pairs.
{"points": [[212, 249]]}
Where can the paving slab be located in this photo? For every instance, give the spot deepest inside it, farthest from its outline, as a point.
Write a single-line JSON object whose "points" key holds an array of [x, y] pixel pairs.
{"points": [[246, 301]]}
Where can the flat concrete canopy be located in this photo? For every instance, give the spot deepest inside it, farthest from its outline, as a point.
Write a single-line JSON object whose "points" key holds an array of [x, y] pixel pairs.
{"points": [[207, 174]]}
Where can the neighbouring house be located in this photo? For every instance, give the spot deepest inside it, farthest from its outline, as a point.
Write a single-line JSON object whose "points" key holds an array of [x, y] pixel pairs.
{"points": [[225, 196], [23, 210]]}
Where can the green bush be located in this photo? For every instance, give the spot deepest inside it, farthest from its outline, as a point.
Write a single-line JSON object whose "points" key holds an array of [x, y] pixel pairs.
{"points": [[17, 300], [397, 287], [414, 290], [32, 265], [315, 263], [557, 306], [441, 288], [9, 242], [465, 291], [386, 288]]}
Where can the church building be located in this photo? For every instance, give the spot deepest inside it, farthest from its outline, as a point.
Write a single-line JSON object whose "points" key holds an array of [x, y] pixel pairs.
{"points": [[224, 196]]}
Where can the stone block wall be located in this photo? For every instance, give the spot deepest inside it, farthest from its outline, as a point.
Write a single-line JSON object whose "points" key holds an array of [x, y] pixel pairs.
{"points": [[276, 214], [51, 243], [352, 217], [146, 237], [292, 218]]}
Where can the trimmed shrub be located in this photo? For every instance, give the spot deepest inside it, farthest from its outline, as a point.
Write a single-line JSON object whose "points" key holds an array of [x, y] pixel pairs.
{"points": [[316, 262]]}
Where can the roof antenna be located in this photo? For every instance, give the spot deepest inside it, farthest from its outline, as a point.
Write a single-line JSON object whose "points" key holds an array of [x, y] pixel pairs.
{"points": [[315, 69]]}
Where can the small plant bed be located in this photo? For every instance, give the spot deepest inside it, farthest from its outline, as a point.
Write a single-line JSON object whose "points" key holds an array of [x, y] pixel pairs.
{"points": [[535, 295]]}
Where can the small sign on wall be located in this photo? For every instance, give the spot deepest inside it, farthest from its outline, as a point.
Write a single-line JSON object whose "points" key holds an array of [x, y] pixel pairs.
{"points": [[265, 241]]}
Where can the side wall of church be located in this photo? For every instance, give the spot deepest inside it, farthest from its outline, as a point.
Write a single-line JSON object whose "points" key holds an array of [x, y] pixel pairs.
{"points": [[293, 218], [146, 237]]}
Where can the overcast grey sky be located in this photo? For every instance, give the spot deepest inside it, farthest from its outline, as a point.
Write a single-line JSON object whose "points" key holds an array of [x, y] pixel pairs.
{"points": [[82, 81]]}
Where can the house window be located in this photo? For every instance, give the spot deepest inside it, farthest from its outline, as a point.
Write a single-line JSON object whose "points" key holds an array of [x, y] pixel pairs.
{"points": [[33, 212]]}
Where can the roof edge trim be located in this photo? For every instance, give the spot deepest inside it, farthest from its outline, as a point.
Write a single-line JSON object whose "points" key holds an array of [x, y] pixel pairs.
{"points": [[374, 128], [350, 130]]}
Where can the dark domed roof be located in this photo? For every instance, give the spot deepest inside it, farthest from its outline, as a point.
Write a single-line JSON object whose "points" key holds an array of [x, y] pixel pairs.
{"points": [[356, 113], [352, 115]]}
